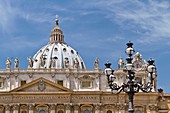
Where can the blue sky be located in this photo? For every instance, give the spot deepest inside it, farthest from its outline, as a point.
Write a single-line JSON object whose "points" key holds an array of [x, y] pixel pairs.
{"points": [[95, 28]]}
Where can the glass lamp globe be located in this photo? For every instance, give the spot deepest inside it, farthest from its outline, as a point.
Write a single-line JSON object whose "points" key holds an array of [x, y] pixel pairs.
{"points": [[129, 66], [112, 77], [129, 51], [108, 71], [153, 76], [151, 69]]}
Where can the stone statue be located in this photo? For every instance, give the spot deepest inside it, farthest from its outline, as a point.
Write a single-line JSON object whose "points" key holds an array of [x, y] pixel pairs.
{"points": [[8, 63], [30, 63], [145, 65], [76, 63], [137, 57], [96, 63], [42, 61], [121, 63], [161, 94], [53, 62], [16, 63], [66, 62]]}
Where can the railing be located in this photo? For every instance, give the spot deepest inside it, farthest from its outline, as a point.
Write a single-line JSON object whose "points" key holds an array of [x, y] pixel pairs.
{"points": [[29, 70]]}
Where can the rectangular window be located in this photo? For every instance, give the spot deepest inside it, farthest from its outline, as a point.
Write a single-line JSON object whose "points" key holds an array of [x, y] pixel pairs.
{"points": [[60, 82], [86, 84], [1, 82], [23, 82]]}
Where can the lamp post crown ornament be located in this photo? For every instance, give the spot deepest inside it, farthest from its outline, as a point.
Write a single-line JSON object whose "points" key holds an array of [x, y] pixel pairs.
{"points": [[108, 64]]}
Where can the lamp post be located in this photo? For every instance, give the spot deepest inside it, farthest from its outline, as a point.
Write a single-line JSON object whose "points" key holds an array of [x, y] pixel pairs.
{"points": [[131, 86]]}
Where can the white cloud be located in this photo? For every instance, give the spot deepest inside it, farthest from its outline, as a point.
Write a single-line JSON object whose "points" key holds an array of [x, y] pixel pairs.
{"points": [[7, 14], [149, 19], [20, 43], [115, 39]]}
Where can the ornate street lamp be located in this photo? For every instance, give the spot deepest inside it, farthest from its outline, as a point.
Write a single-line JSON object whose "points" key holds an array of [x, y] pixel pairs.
{"points": [[132, 86]]}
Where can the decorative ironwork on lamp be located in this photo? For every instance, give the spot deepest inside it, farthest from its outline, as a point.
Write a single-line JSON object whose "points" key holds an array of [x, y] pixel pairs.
{"points": [[131, 86]]}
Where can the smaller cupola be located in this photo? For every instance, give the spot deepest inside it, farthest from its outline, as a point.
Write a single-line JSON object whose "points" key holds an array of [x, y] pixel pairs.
{"points": [[57, 34]]}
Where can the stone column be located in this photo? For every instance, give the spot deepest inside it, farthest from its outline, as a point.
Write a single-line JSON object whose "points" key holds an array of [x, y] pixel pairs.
{"points": [[68, 81], [52, 108], [121, 108], [68, 108], [102, 109], [31, 108], [15, 108], [76, 108], [153, 108], [76, 81], [7, 109], [97, 108]]}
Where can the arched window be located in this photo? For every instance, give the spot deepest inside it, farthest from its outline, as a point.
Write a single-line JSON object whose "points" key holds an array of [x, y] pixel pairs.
{"points": [[60, 111], [42, 111], [138, 111], [23, 112], [109, 111], [86, 111]]}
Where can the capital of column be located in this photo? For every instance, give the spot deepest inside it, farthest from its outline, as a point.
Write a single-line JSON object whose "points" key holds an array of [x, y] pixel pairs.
{"points": [[7, 107], [68, 106], [97, 106], [76, 107], [52, 106], [15, 107], [31, 106]]}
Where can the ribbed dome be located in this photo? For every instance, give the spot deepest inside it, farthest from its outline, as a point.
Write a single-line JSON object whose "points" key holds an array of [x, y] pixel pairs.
{"points": [[57, 54]]}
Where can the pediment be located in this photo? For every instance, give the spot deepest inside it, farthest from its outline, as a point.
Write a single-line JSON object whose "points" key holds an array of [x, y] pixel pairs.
{"points": [[41, 85]]}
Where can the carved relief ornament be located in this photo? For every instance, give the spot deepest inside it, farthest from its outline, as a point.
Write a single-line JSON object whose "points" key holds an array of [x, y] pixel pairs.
{"points": [[121, 107], [41, 85], [110, 106], [153, 108], [60, 106]]}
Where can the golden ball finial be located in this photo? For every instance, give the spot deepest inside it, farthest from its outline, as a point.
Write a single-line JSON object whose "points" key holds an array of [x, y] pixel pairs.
{"points": [[56, 20]]}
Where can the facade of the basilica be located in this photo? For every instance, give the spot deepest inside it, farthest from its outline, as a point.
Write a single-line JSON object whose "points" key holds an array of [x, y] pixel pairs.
{"points": [[57, 81]]}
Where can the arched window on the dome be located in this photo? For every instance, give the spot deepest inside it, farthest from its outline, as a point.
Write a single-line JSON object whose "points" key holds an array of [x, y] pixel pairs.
{"points": [[64, 49], [55, 49], [72, 51]]}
